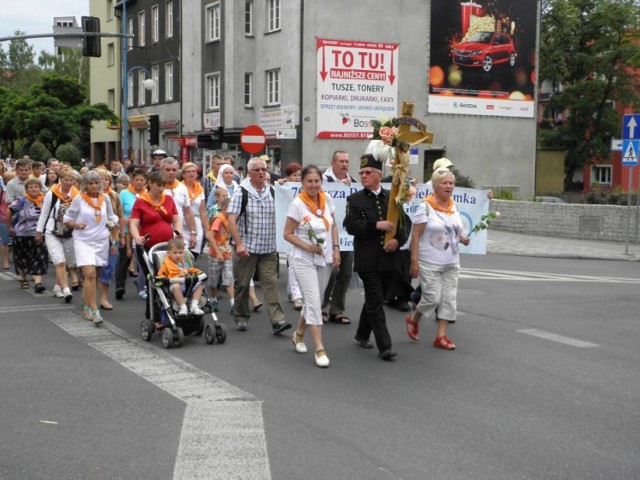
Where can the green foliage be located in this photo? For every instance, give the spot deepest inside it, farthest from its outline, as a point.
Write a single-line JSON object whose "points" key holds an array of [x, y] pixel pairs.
{"points": [[606, 196], [69, 153], [504, 194], [587, 47], [464, 181], [39, 152]]}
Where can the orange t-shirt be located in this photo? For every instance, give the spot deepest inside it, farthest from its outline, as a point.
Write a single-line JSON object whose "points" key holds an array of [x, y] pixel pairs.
{"points": [[220, 230]]}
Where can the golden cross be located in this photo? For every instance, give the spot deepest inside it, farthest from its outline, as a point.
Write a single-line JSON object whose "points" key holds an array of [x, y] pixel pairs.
{"points": [[406, 121]]}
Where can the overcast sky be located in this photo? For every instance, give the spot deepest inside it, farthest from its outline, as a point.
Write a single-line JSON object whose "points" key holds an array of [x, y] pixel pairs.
{"points": [[36, 16]]}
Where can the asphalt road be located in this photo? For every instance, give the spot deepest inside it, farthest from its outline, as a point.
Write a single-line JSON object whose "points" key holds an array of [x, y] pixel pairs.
{"points": [[544, 384]]}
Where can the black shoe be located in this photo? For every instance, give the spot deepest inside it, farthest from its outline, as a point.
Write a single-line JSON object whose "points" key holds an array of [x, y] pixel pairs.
{"points": [[364, 343], [280, 327], [119, 293], [39, 288], [387, 354]]}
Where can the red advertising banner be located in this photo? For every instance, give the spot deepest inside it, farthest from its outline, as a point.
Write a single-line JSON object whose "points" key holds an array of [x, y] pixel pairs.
{"points": [[357, 82], [483, 57]]}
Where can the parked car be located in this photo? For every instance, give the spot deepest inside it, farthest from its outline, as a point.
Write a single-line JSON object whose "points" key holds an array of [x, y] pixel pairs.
{"points": [[485, 49], [549, 200]]}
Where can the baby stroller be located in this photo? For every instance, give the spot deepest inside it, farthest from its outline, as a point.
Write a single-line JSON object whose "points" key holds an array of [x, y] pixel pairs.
{"points": [[174, 328]]}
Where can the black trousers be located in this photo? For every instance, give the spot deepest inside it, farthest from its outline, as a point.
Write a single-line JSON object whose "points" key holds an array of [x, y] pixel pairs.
{"points": [[122, 268], [372, 317], [400, 289]]}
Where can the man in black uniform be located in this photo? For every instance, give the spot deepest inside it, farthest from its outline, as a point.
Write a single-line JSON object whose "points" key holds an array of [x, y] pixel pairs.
{"points": [[374, 261]]}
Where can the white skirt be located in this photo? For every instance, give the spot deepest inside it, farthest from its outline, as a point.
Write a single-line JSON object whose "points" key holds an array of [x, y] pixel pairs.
{"points": [[91, 253]]}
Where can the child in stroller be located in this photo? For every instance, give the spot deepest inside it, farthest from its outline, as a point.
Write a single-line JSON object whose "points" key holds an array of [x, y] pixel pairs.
{"points": [[174, 266]]}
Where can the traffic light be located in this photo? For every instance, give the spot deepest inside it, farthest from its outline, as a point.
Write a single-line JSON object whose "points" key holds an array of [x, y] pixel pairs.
{"points": [[154, 129], [91, 44]]}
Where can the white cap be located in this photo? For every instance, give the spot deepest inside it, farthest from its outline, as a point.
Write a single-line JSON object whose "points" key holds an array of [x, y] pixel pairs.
{"points": [[159, 153], [442, 163]]}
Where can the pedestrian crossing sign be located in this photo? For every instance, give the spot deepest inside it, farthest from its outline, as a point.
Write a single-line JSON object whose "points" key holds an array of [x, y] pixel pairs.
{"points": [[630, 150]]}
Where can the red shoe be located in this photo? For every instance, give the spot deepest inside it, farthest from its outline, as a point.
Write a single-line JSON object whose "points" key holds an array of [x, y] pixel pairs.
{"points": [[413, 329], [444, 343]]}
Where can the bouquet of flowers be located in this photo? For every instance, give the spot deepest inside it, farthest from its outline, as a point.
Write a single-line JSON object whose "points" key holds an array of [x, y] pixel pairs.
{"points": [[313, 237]]}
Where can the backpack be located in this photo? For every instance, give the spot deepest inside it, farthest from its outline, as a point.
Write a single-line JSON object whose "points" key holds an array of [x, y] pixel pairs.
{"points": [[59, 230], [245, 200]]}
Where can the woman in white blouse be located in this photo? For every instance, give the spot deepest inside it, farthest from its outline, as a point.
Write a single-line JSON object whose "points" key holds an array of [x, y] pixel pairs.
{"points": [[196, 196], [312, 230], [435, 257], [95, 226]]}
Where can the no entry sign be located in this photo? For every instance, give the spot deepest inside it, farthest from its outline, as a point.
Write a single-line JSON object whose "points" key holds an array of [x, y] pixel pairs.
{"points": [[252, 139]]}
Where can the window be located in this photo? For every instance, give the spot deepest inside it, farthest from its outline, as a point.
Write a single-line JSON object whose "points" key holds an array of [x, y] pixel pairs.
{"points": [[141, 91], [169, 28], [601, 174], [111, 55], [248, 18], [141, 29], [111, 99], [130, 30], [248, 89], [155, 24], [213, 22], [130, 89], [109, 10], [273, 87], [212, 93], [155, 76], [168, 82], [273, 20]]}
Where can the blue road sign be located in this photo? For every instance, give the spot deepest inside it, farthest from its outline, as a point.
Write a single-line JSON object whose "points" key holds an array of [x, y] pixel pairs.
{"points": [[631, 127], [630, 150]]}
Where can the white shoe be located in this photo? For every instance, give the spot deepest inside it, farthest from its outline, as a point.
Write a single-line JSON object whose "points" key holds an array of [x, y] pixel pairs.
{"points": [[300, 346], [196, 310], [182, 311], [298, 304], [322, 360], [57, 291], [67, 295]]}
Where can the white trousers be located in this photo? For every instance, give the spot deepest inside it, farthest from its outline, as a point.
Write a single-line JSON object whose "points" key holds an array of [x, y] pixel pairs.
{"points": [[439, 290], [312, 280]]}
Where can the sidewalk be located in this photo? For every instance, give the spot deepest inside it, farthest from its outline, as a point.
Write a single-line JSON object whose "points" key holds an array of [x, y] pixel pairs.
{"points": [[509, 243]]}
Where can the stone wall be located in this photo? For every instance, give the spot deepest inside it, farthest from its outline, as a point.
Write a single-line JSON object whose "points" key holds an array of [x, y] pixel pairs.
{"points": [[588, 222]]}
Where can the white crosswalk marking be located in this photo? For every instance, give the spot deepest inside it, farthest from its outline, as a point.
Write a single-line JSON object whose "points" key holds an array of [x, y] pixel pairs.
{"points": [[514, 275], [558, 338]]}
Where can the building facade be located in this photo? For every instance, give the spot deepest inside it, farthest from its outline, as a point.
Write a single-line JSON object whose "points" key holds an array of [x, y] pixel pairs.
{"points": [[238, 63]]}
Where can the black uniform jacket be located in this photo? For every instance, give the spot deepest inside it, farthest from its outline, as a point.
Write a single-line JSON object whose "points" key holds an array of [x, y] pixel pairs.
{"points": [[364, 210]]}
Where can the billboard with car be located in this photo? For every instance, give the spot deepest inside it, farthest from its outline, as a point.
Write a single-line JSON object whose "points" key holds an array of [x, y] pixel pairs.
{"points": [[483, 57]]}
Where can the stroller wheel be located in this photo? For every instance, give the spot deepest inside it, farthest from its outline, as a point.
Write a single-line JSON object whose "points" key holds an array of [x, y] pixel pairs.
{"points": [[178, 338], [146, 330], [209, 335], [167, 338], [221, 333]]}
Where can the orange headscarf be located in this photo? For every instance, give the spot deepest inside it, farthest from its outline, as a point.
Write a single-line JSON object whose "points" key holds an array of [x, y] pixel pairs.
{"points": [[95, 203], [196, 191], [449, 210], [37, 201], [65, 199], [316, 209]]}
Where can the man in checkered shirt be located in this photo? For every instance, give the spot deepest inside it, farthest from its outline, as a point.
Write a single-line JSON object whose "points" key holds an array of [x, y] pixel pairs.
{"points": [[254, 234]]}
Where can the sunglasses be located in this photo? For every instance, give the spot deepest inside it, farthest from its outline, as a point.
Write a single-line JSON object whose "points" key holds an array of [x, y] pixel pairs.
{"points": [[366, 172]]}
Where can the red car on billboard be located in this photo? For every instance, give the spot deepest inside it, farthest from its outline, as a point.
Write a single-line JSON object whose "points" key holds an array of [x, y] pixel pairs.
{"points": [[485, 49]]}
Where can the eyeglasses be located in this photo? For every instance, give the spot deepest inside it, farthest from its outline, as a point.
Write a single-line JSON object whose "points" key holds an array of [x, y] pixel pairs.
{"points": [[366, 172], [258, 170]]}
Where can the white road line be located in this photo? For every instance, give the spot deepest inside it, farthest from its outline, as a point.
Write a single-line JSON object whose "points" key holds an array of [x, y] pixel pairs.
{"points": [[558, 338], [223, 429], [472, 273], [34, 308]]}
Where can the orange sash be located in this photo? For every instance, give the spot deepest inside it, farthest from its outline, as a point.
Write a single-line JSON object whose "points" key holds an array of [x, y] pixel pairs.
{"points": [[37, 201], [95, 203], [431, 198], [172, 185], [65, 199], [195, 192], [159, 207], [134, 191], [317, 210]]}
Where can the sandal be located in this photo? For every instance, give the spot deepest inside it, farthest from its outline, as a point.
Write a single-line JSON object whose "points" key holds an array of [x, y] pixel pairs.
{"points": [[24, 284], [75, 286], [339, 318], [413, 329], [5, 265], [256, 306], [444, 343]]}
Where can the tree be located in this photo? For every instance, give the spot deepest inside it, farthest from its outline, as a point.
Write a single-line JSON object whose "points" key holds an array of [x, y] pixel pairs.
{"points": [[70, 63], [19, 70], [591, 48]]}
